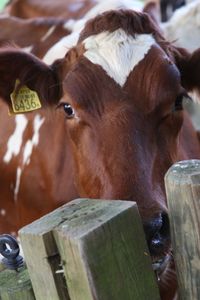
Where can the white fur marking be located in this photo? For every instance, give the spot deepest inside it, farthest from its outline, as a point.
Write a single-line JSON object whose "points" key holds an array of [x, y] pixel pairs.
{"points": [[28, 49], [48, 33], [117, 53], [62, 47], [69, 25], [2, 212], [15, 141], [73, 7], [38, 121], [17, 185]]}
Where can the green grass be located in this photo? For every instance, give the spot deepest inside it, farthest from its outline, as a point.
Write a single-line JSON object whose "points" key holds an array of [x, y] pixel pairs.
{"points": [[3, 3]]}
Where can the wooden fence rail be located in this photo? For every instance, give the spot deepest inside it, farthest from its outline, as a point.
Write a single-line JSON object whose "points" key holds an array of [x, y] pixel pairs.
{"points": [[89, 249], [183, 193]]}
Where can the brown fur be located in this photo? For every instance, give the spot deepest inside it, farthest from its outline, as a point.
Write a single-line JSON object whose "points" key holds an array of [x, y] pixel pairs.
{"points": [[49, 8], [29, 33]]}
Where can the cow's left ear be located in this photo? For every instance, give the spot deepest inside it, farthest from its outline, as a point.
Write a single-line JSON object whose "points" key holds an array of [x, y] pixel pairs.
{"points": [[28, 70], [189, 67]]}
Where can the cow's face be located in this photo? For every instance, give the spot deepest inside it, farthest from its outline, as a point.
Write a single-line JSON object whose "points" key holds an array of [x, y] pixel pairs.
{"points": [[124, 137], [122, 104]]}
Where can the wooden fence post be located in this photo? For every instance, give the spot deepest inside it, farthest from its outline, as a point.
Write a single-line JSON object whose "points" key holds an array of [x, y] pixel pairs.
{"points": [[102, 248], [183, 194], [42, 257], [15, 285]]}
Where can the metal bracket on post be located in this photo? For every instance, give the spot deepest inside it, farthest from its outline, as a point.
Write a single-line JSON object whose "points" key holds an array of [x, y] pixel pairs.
{"points": [[9, 249]]}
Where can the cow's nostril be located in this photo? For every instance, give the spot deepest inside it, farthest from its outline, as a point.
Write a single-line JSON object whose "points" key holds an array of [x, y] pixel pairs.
{"points": [[157, 234], [157, 242]]}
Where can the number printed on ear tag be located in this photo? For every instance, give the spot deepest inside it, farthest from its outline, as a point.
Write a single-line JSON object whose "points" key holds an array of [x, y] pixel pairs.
{"points": [[24, 100]]}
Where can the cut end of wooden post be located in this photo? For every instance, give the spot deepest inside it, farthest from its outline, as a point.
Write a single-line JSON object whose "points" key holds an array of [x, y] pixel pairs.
{"points": [[183, 169]]}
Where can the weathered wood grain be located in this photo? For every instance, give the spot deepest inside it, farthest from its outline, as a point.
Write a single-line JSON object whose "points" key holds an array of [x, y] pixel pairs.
{"points": [[2, 266], [15, 285], [104, 252], [42, 257], [183, 194], [102, 249]]}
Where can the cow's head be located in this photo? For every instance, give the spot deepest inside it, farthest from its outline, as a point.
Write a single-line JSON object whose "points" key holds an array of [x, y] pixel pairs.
{"points": [[120, 90]]}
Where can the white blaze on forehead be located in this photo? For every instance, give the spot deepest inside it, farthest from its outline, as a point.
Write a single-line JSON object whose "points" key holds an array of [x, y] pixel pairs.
{"points": [[62, 47], [15, 141], [38, 121], [117, 52]]}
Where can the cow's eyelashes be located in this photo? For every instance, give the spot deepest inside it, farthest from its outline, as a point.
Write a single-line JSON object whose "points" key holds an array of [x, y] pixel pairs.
{"points": [[178, 105], [68, 109]]}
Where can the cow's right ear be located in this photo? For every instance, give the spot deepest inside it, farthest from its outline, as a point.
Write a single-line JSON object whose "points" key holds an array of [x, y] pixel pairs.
{"points": [[45, 80], [189, 67]]}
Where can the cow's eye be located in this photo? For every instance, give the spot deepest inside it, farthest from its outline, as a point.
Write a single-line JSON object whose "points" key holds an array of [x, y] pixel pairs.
{"points": [[68, 109]]}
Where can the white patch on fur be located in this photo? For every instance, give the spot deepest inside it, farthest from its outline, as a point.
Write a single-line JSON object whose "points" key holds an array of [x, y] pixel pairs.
{"points": [[117, 52], [73, 7], [69, 25], [38, 121], [28, 49], [61, 48], [2, 212], [17, 184], [48, 33], [15, 141]]}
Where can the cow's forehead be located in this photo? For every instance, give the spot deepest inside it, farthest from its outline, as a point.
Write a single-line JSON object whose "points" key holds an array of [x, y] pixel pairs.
{"points": [[122, 56], [117, 52]]}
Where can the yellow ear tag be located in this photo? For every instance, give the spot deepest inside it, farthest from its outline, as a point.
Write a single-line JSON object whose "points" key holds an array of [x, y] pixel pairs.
{"points": [[24, 100]]}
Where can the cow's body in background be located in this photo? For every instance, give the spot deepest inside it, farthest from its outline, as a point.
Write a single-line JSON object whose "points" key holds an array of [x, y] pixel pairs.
{"points": [[183, 30], [26, 9], [167, 7], [33, 35]]}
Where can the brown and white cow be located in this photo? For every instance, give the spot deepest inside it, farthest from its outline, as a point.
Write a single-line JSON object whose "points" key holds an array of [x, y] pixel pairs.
{"points": [[49, 8], [183, 28], [33, 35], [119, 125]]}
